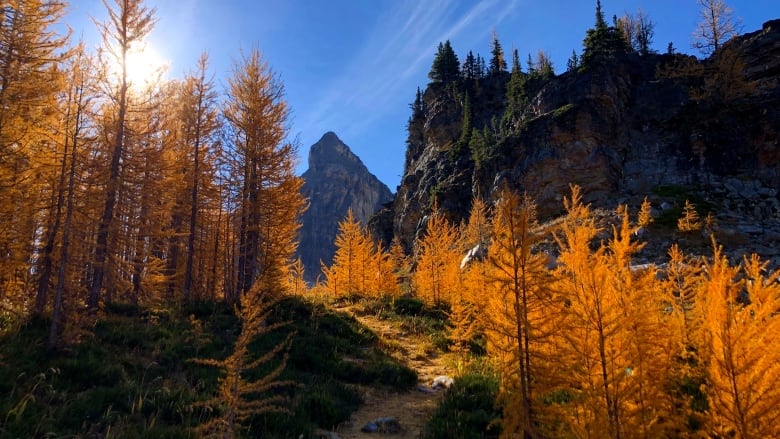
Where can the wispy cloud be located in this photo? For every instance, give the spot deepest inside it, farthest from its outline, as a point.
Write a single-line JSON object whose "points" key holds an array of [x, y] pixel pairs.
{"points": [[397, 54]]}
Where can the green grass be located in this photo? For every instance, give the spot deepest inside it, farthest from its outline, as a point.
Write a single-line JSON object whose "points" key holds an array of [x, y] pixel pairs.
{"points": [[132, 376], [467, 409]]}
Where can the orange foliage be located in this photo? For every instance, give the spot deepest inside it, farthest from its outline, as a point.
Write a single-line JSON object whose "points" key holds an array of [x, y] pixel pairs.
{"points": [[742, 324], [436, 278]]}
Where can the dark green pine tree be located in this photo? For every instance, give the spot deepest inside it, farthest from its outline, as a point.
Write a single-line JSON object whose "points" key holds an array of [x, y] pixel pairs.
{"points": [[573, 63], [465, 131], [603, 43], [481, 67], [418, 106], [482, 145], [516, 95], [531, 66], [470, 70], [446, 67], [497, 60]]}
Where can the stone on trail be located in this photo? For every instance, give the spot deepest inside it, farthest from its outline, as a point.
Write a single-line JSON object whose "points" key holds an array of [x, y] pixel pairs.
{"points": [[442, 382], [382, 425]]}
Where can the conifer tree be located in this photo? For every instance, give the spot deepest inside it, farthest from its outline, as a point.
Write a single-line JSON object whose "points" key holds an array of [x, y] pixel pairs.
{"points": [[470, 69], [602, 43], [446, 67], [77, 106], [591, 342], [644, 337], [266, 189], [690, 220], [516, 94], [497, 61], [544, 66], [418, 107], [475, 238], [400, 262], [520, 312], [297, 285], [744, 359], [128, 23], [436, 277], [637, 30], [683, 291], [239, 398], [350, 273], [199, 125], [717, 26], [383, 278], [573, 63], [465, 130], [31, 51]]}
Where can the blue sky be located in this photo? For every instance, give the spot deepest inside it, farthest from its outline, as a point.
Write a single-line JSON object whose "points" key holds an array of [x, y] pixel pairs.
{"points": [[352, 66]]}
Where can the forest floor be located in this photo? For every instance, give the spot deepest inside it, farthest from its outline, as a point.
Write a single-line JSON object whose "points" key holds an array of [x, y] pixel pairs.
{"points": [[412, 408]]}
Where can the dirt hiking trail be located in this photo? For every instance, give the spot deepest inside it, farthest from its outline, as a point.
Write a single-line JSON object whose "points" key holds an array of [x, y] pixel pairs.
{"points": [[411, 408]]}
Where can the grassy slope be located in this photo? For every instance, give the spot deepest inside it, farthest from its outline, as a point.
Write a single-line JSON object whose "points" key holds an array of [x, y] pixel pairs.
{"points": [[131, 377]]}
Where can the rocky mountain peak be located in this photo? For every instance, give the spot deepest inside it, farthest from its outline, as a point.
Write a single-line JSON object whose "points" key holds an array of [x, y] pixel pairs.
{"points": [[336, 181], [331, 151]]}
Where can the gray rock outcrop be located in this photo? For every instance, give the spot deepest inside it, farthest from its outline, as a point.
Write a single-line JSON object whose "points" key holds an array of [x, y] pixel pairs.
{"points": [[621, 131]]}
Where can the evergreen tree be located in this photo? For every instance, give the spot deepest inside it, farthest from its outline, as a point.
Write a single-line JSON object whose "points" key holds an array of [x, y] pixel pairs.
{"points": [[465, 130], [532, 70], [602, 43], [481, 67], [517, 96], [446, 67], [497, 60], [418, 106], [573, 63], [470, 70]]}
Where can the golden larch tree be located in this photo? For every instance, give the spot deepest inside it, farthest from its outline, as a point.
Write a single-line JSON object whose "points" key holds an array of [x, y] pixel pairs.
{"points": [[76, 130], [521, 312], [265, 189], [31, 52], [129, 21], [436, 277], [350, 273], [239, 398], [591, 348], [193, 124], [643, 337], [742, 324]]}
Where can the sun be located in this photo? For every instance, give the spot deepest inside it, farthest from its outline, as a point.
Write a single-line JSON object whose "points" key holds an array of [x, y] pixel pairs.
{"points": [[144, 66]]}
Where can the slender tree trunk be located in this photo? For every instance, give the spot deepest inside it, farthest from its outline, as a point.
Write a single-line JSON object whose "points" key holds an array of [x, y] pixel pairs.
{"points": [[172, 261], [48, 250], [106, 220], [194, 200], [609, 401], [58, 316]]}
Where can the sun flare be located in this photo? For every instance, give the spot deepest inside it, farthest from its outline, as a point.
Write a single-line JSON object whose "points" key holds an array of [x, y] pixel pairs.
{"points": [[144, 66]]}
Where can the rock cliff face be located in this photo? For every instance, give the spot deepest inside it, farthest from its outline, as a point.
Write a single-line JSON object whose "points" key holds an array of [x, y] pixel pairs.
{"points": [[335, 182], [639, 126]]}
